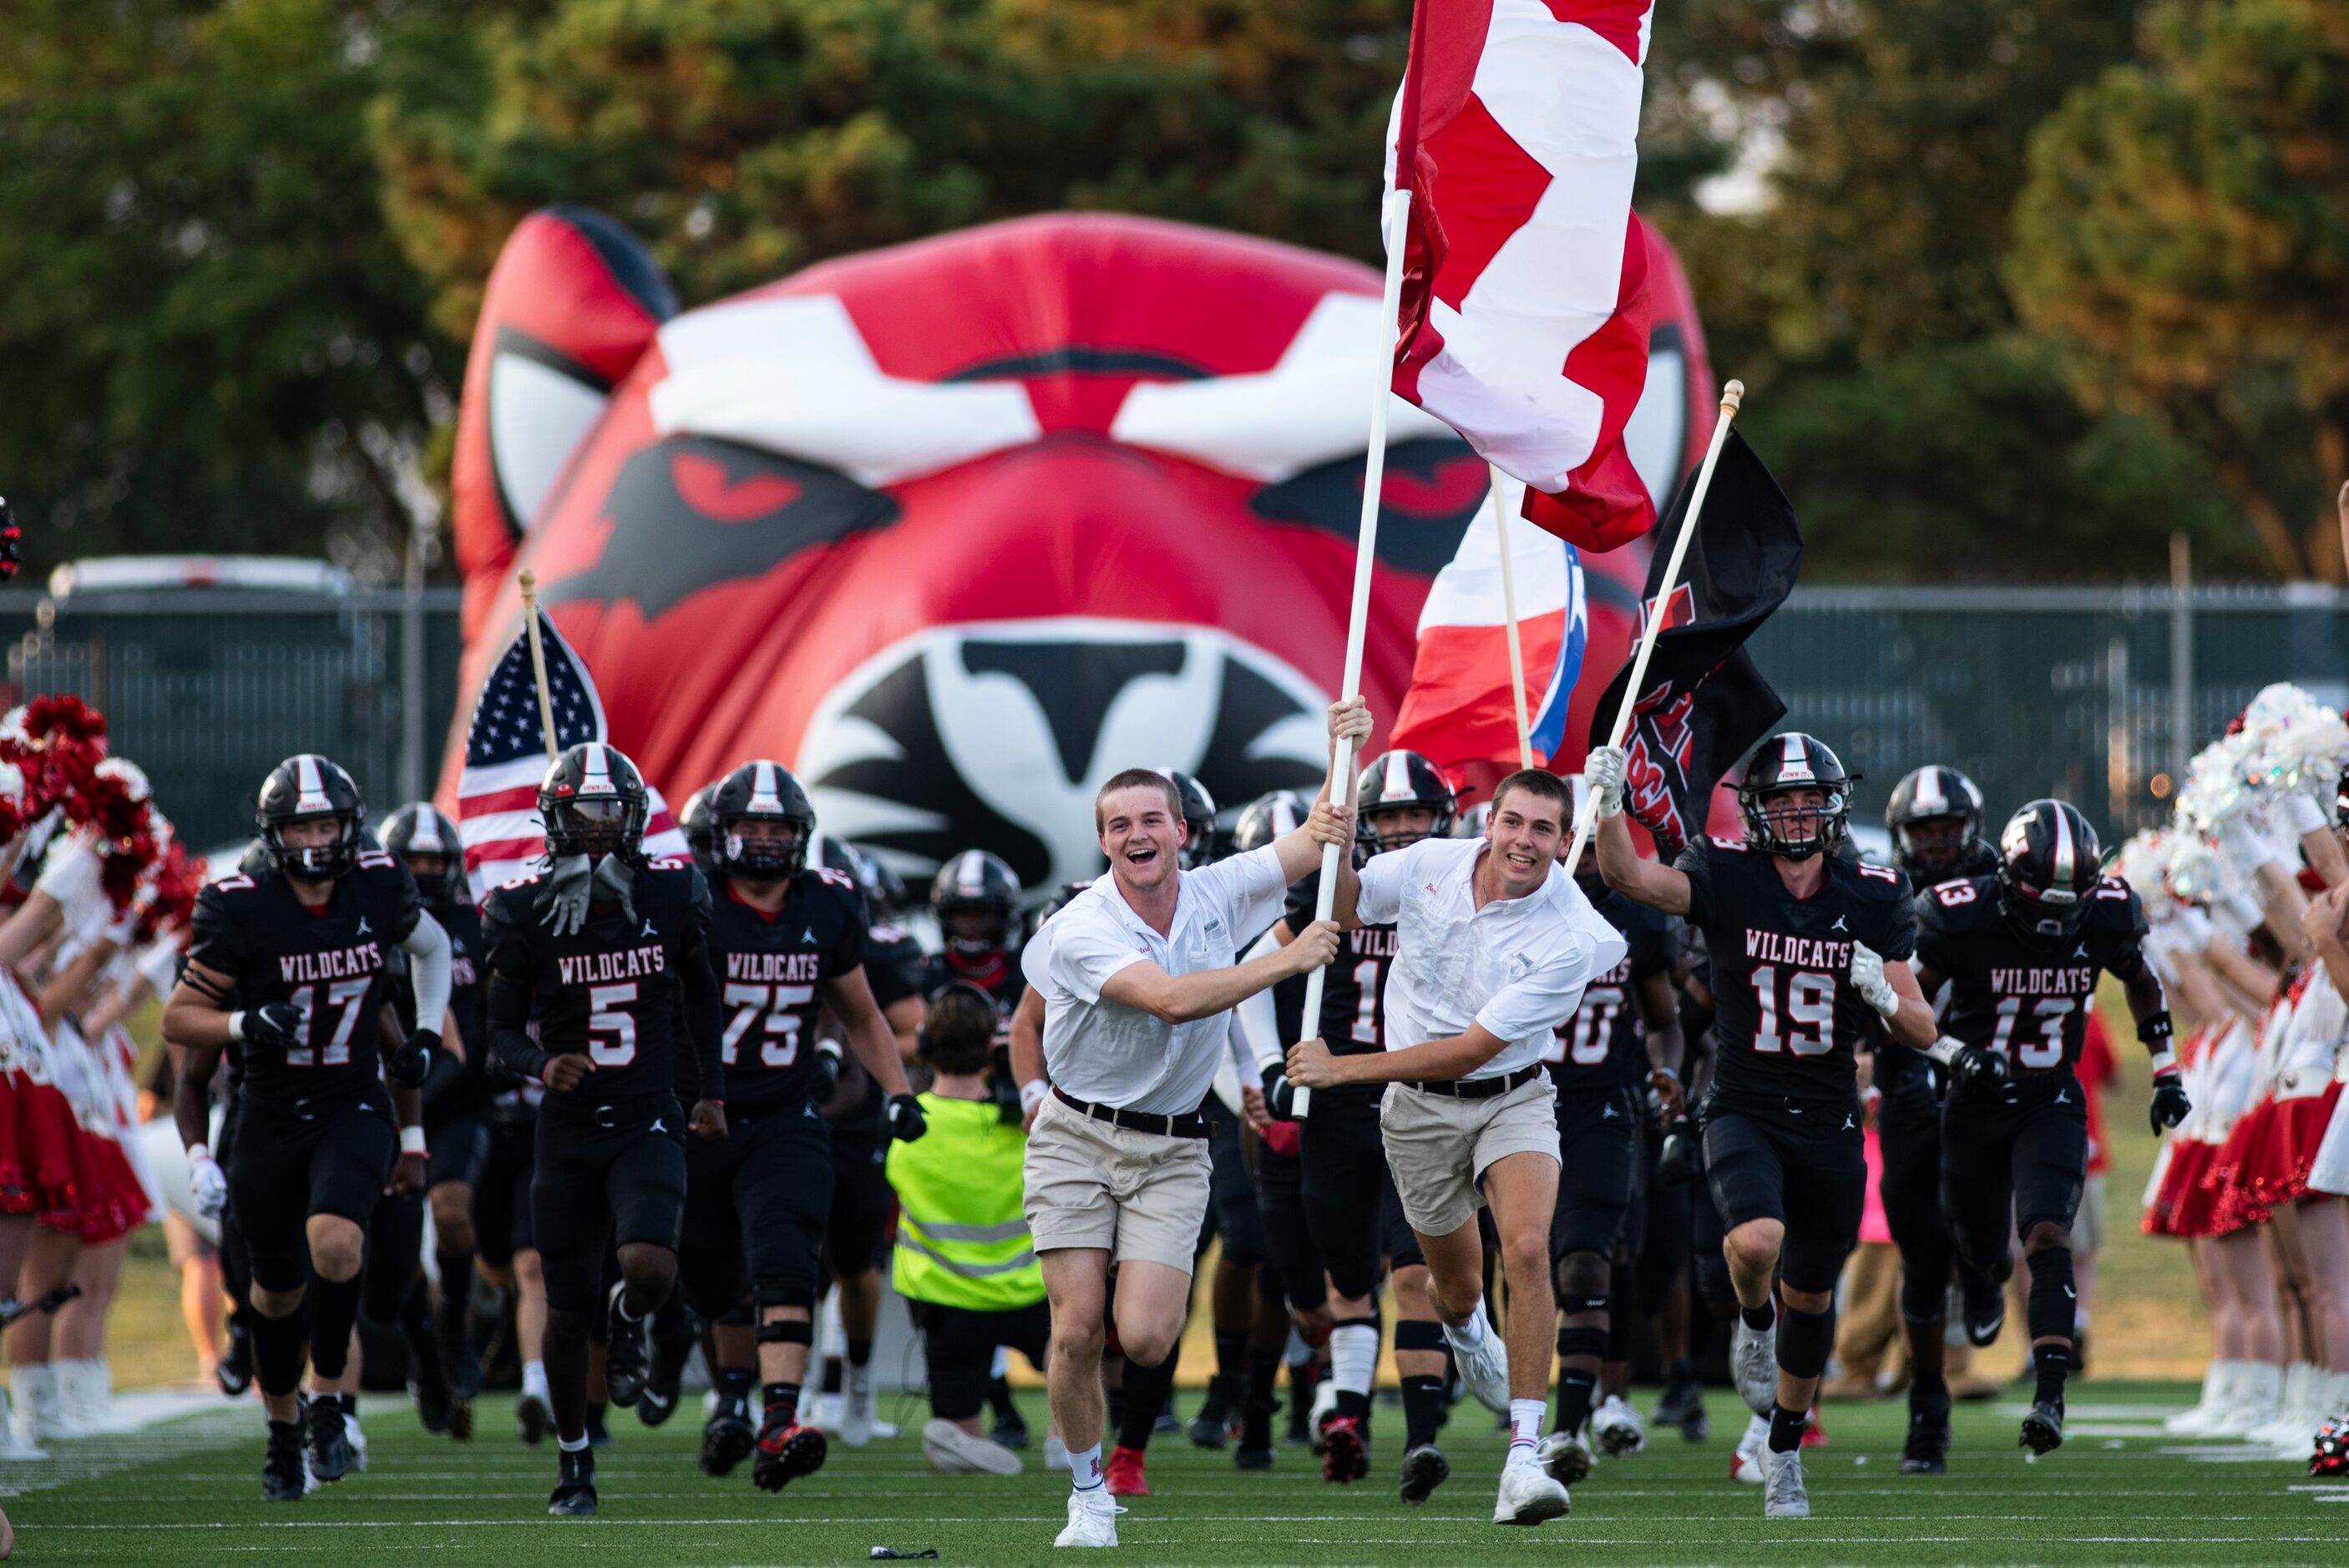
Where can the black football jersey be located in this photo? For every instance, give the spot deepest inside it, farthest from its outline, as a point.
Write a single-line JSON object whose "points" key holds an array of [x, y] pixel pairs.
{"points": [[327, 963], [1785, 1016], [2027, 998], [613, 989], [1355, 988], [470, 1088], [896, 967], [1602, 1046], [771, 970]]}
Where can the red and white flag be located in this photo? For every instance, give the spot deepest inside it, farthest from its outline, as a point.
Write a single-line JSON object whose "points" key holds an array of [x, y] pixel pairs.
{"points": [[506, 757], [1525, 301]]}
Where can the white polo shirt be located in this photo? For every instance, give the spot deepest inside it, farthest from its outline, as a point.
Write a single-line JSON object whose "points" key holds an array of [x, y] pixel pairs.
{"points": [[1518, 965], [1117, 1056]]}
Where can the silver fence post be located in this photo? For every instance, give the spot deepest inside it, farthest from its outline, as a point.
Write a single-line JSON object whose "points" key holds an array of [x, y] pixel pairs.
{"points": [[2181, 659]]}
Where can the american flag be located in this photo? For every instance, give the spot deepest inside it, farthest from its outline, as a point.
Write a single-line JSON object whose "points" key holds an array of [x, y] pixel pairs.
{"points": [[505, 758]]}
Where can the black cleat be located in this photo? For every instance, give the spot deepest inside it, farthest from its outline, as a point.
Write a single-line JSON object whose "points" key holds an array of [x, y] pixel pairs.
{"points": [[1011, 1429], [575, 1485], [1424, 1470], [434, 1409], [787, 1450], [235, 1371], [1255, 1449], [1683, 1406], [532, 1418], [1984, 1305], [2042, 1429], [673, 1339], [599, 1436], [282, 1475], [460, 1362], [460, 1420], [329, 1440], [624, 1351], [1211, 1428], [727, 1440], [1928, 1448], [428, 1385]]}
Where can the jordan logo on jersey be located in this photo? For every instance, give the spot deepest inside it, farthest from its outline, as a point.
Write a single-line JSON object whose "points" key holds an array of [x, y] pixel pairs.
{"points": [[364, 929], [1839, 925], [337, 963]]}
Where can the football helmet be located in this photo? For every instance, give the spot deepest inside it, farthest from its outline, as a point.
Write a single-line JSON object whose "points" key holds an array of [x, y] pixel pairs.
{"points": [[302, 788], [2049, 863], [420, 829], [1198, 819], [594, 803], [1794, 761], [1933, 794], [763, 791], [1268, 816], [700, 832], [1398, 779], [977, 900]]}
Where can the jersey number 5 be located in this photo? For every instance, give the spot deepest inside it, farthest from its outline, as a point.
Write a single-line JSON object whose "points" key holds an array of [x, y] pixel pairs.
{"points": [[780, 1044], [607, 1016], [1810, 1005]]}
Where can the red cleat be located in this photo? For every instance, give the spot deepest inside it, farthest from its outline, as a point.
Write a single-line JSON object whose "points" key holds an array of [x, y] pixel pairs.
{"points": [[1122, 1475], [786, 1451], [1815, 1435], [1345, 1450]]}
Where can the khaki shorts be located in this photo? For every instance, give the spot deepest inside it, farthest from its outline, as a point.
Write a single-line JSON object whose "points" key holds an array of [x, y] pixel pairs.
{"points": [[2089, 1231], [1438, 1146], [1132, 1194]]}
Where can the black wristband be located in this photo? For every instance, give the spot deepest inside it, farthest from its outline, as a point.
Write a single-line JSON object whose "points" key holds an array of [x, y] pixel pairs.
{"points": [[2154, 1030]]}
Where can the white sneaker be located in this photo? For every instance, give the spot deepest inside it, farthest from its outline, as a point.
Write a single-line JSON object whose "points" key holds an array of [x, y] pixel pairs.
{"points": [[1616, 1428], [856, 1411], [1529, 1494], [11, 1446], [1746, 1464], [1324, 1406], [822, 1412], [357, 1438], [2219, 1384], [2259, 1389], [1093, 1520], [38, 1414], [954, 1451], [1566, 1456], [1783, 1495], [1485, 1368], [1056, 1453], [1753, 1366]]}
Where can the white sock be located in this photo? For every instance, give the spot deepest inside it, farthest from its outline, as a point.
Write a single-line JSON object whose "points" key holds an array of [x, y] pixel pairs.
{"points": [[1354, 1357], [1525, 1424], [533, 1378], [1470, 1334], [1085, 1468], [570, 1446]]}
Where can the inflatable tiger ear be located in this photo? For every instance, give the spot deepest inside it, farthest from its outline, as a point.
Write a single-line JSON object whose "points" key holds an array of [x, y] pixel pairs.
{"points": [[571, 307]]}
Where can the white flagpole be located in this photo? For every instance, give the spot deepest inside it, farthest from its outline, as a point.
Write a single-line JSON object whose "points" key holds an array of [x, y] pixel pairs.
{"points": [[1509, 615], [1730, 395], [1366, 546]]}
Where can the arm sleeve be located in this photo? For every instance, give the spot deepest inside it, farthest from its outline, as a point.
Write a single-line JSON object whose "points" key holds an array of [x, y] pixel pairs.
{"points": [[1545, 998], [1695, 864], [428, 944], [1083, 957], [1379, 901]]}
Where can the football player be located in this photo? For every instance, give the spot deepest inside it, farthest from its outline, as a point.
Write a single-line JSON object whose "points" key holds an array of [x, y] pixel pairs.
{"points": [[1622, 1043], [1935, 820], [285, 970], [611, 949], [2022, 949], [1401, 797], [456, 1095], [1805, 946], [786, 939]]}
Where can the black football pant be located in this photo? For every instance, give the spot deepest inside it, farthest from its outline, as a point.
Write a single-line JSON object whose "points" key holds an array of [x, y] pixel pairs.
{"points": [[1351, 1213], [856, 1233], [2011, 1161], [1288, 1240], [604, 1176], [1908, 1132], [756, 1201], [1799, 1162]]}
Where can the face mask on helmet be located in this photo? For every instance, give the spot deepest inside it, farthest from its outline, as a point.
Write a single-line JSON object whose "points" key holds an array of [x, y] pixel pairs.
{"points": [[1930, 849], [1796, 822], [762, 849], [594, 828], [314, 848], [1396, 827]]}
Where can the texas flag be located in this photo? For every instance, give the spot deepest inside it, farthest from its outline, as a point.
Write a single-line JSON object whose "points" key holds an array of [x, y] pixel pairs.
{"points": [[1525, 299], [1459, 712]]}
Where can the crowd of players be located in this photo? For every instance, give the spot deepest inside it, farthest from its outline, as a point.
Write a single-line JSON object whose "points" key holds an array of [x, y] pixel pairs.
{"points": [[653, 1105]]}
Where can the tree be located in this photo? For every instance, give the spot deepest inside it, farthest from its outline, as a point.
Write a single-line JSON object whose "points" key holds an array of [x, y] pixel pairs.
{"points": [[212, 339], [2185, 235]]}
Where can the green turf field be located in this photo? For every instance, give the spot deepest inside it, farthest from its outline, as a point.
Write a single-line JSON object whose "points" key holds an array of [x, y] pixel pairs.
{"points": [[187, 1493]]}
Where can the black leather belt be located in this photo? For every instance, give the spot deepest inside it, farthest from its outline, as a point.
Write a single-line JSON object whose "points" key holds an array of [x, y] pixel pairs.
{"points": [[1192, 1126], [1481, 1088]]}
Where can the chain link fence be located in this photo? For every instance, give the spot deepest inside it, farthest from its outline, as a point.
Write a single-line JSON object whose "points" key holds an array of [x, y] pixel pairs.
{"points": [[2068, 692]]}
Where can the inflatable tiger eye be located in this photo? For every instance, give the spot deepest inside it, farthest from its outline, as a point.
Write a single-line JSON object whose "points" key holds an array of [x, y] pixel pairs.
{"points": [[958, 529]]}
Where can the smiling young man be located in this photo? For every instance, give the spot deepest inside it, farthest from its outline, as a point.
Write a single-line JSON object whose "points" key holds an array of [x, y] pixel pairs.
{"points": [[1807, 948], [1493, 947], [1138, 981]]}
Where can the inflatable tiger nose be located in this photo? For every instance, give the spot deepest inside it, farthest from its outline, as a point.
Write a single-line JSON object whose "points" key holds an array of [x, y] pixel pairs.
{"points": [[957, 529]]}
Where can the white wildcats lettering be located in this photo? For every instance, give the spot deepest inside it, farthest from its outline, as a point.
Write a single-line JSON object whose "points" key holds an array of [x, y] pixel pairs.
{"points": [[1374, 940], [339, 963], [1802, 952], [628, 964], [2042, 982], [775, 968]]}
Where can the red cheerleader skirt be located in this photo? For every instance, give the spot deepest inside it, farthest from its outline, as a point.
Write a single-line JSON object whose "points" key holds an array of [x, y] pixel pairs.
{"points": [[2234, 1199], [2183, 1202]]}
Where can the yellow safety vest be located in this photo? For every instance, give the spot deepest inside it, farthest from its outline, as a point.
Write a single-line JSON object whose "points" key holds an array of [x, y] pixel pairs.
{"points": [[962, 1237]]}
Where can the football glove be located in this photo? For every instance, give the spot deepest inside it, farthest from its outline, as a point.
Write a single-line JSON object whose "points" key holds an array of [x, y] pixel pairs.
{"points": [[567, 880], [1976, 1069], [412, 1063], [1603, 770], [206, 1185], [2170, 1105], [1676, 1162], [824, 1080], [1279, 1094], [1867, 979], [906, 1123], [276, 1025]]}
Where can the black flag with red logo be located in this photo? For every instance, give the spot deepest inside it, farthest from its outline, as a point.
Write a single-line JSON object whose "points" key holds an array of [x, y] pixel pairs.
{"points": [[1705, 702]]}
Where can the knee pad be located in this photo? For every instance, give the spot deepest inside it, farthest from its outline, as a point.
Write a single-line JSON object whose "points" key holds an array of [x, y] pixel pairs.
{"points": [[784, 1292], [787, 1332], [1418, 1334], [2051, 1311], [1924, 1289], [1584, 1274], [1803, 1340], [1585, 1342]]}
